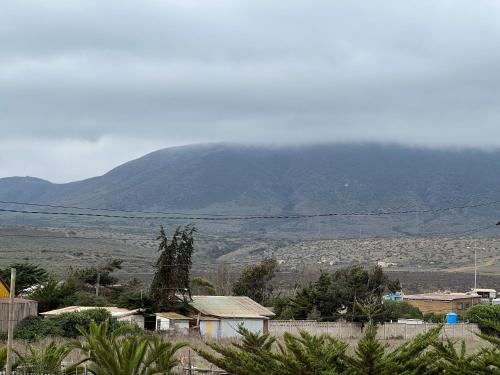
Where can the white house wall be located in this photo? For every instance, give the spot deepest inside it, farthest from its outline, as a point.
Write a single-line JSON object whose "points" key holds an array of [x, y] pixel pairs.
{"points": [[133, 319], [229, 327]]}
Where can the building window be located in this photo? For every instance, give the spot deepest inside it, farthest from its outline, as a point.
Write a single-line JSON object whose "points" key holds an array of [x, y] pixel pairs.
{"points": [[466, 305], [158, 324], [460, 306]]}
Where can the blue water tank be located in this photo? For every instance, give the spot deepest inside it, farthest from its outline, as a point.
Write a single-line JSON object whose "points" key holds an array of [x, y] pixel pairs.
{"points": [[451, 318]]}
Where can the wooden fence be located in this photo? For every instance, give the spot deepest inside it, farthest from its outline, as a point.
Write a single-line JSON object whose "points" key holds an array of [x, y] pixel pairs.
{"points": [[385, 331]]}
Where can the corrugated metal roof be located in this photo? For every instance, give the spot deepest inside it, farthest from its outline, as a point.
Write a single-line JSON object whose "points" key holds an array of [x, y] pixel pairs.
{"points": [[440, 296], [229, 307], [114, 311], [172, 316]]}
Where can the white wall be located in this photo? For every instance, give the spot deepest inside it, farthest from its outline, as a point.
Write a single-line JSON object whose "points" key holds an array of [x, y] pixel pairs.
{"points": [[162, 324], [133, 319], [166, 324]]}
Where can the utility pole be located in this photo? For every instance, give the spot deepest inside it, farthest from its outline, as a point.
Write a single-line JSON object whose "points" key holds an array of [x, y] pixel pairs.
{"points": [[475, 270], [97, 285], [10, 329]]}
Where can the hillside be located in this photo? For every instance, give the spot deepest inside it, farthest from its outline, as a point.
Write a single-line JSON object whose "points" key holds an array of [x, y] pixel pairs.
{"points": [[235, 179]]}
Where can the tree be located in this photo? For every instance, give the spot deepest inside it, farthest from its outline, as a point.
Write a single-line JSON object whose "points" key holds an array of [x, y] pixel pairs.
{"points": [[103, 273], [172, 267], [202, 286], [394, 310], [27, 275], [44, 359], [223, 279], [121, 353], [339, 294], [306, 354], [255, 281], [482, 315]]}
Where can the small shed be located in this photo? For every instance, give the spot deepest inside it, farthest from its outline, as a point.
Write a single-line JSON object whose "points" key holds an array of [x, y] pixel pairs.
{"points": [[219, 316], [121, 314], [171, 321], [23, 308]]}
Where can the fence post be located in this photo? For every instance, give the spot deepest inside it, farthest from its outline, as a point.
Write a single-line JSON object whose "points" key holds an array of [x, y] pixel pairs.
{"points": [[406, 333], [385, 336], [10, 323]]}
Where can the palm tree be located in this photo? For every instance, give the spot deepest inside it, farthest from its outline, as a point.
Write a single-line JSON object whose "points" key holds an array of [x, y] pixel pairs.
{"points": [[3, 357], [119, 353], [43, 359]]}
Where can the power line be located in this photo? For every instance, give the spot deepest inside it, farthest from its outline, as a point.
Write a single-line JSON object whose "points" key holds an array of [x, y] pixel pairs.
{"points": [[108, 209], [237, 218]]}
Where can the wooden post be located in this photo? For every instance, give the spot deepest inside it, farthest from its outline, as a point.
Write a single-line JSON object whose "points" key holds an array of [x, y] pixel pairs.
{"points": [[97, 284], [10, 329]]}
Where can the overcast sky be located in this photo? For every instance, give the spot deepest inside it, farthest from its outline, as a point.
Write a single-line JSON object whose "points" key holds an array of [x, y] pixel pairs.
{"points": [[86, 85]]}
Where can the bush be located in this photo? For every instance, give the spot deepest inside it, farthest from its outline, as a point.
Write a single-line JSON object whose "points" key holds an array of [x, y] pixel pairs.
{"points": [[392, 311], [435, 318], [37, 328], [481, 314], [64, 325]]}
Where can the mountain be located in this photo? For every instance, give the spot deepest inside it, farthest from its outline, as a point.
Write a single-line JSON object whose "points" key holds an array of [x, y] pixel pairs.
{"points": [[234, 179]]}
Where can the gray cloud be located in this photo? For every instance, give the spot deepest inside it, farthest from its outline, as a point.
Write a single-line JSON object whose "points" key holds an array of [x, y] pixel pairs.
{"points": [[116, 79]]}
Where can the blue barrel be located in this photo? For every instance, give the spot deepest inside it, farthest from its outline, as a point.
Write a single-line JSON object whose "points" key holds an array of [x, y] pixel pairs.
{"points": [[451, 318]]}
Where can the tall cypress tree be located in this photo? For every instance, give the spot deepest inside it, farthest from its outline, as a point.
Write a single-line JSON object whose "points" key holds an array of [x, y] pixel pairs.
{"points": [[172, 267]]}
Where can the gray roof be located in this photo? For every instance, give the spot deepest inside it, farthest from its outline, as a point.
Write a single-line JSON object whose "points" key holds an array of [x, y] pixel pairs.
{"points": [[230, 307], [440, 296]]}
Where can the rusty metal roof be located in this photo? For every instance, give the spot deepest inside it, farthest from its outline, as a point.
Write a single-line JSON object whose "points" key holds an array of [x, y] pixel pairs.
{"points": [[172, 316], [230, 307]]}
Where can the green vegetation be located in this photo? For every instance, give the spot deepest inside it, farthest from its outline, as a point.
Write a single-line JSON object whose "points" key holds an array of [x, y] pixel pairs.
{"points": [[392, 311], [325, 355], [255, 281], [27, 275], [116, 352], [172, 268], [201, 286], [64, 325], [340, 294], [44, 359], [483, 315]]}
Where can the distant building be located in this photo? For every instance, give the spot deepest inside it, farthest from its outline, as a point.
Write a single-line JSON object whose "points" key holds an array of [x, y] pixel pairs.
{"points": [[487, 295], [23, 308], [171, 321], [442, 303], [219, 316], [396, 297], [121, 314]]}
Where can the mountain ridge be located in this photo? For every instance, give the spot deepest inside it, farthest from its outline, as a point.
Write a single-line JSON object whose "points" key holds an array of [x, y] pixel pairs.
{"points": [[228, 178]]}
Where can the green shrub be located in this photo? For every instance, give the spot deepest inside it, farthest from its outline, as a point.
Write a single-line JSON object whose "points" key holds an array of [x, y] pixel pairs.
{"points": [[480, 314], [435, 318], [69, 322], [392, 311], [37, 328], [64, 325]]}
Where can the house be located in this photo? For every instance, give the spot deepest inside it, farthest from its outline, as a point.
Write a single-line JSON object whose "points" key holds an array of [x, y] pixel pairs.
{"points": [[396, 297], [23, 308], [171, 321], [4, 289], [219, 316], [442, 302], [121, 314], [487, 295]]}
